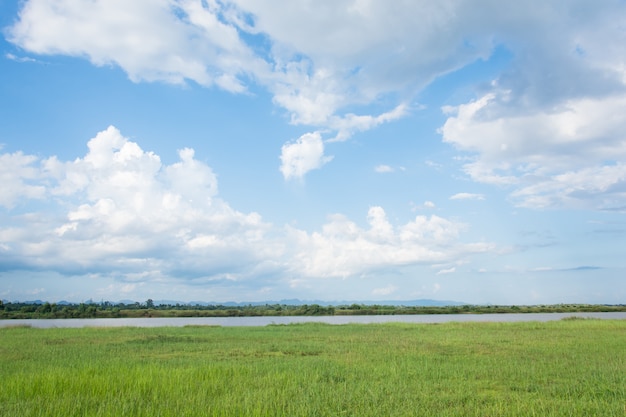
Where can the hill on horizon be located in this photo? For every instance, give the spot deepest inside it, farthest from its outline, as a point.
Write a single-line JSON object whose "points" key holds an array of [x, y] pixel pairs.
{"points": [[292, 302]]}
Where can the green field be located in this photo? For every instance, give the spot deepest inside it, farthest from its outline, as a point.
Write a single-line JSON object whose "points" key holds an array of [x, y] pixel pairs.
{"points": [[564, 368]]}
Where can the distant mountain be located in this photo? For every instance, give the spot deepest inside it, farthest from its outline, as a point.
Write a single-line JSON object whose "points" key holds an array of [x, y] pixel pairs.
{"points": [[34, 302], [298, 302], [291, 302]]}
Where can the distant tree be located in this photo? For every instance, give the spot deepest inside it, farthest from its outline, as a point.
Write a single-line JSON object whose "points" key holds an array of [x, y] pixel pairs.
{"points": [[45, 308], [91, 311], [149, 303]]}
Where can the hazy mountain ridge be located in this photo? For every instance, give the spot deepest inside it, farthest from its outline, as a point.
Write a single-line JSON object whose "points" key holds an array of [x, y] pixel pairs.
{"points": [[292, 301]]}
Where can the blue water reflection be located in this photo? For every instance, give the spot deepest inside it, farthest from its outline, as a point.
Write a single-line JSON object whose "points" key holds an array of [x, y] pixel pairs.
{"points": [[264, 321]]}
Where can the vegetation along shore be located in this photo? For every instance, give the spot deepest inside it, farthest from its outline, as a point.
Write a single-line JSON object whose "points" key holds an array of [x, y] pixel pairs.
{"points": [[105, 309]]}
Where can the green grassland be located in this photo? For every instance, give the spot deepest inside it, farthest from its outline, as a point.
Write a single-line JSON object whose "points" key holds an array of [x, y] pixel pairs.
{"points": [[563, 368]]}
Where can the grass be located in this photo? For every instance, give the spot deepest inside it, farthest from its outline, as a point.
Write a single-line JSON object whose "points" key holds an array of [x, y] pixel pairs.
{"points": [[565, 368]]}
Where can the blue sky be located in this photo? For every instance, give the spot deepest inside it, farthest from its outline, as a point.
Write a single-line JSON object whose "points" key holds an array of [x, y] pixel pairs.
{"points": [[337, 150]]}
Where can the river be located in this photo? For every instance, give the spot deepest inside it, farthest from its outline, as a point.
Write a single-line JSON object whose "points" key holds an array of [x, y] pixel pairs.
{"points": [[269, 320]]}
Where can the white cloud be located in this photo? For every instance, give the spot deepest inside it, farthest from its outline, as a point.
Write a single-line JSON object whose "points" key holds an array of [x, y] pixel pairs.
{"points": [[556, 107], [348, 124], [151, 40], [427, 205], [369, 49], [320, 60], [434, 165], [550, 128], [562, 137], [552, 122], [129, 213], [179, 40], [564, 157], [467, 196], [121, 216], [303, 155], [382, 169], [343, 249], [600, 187], [16, 58], [447, 271], [20, 178], [385, 291]]}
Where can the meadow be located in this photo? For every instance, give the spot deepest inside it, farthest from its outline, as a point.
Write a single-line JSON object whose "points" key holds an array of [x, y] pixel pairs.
{"points": [[564, 368]]}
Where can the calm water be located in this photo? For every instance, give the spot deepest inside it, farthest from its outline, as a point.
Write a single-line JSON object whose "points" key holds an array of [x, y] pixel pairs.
{"points": [[264, 321]]}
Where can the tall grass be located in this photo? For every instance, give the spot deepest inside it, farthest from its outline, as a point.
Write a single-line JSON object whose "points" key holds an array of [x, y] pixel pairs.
{"points": [[566, 368]]}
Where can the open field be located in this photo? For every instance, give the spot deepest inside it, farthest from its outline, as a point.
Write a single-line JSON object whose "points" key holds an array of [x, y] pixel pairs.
{"points": [[564, 368]]}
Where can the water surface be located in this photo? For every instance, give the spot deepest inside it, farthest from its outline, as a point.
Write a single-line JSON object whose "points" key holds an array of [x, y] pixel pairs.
{"points": [[268, 320]]}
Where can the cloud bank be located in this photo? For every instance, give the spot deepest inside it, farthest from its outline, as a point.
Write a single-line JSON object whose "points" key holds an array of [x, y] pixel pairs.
{"points": [[549, 125], [119, 212]]}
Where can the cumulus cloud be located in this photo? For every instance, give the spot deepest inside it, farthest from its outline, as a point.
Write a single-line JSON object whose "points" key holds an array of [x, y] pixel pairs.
{"points": [[383, 169], [561, 137], [550, 127], [129, 213], [317, 62], [163, 40], [554, 112], [303, 155], [600, 187], [119, 212], [20, 178], [342, 249], [385, 291], [558, 157], [426, 205], [467, 196], [179, 40], [362, 50]]}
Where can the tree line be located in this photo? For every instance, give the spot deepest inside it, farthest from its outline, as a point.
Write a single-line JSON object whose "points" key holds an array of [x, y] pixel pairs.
{"points": [[106, 309]]}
